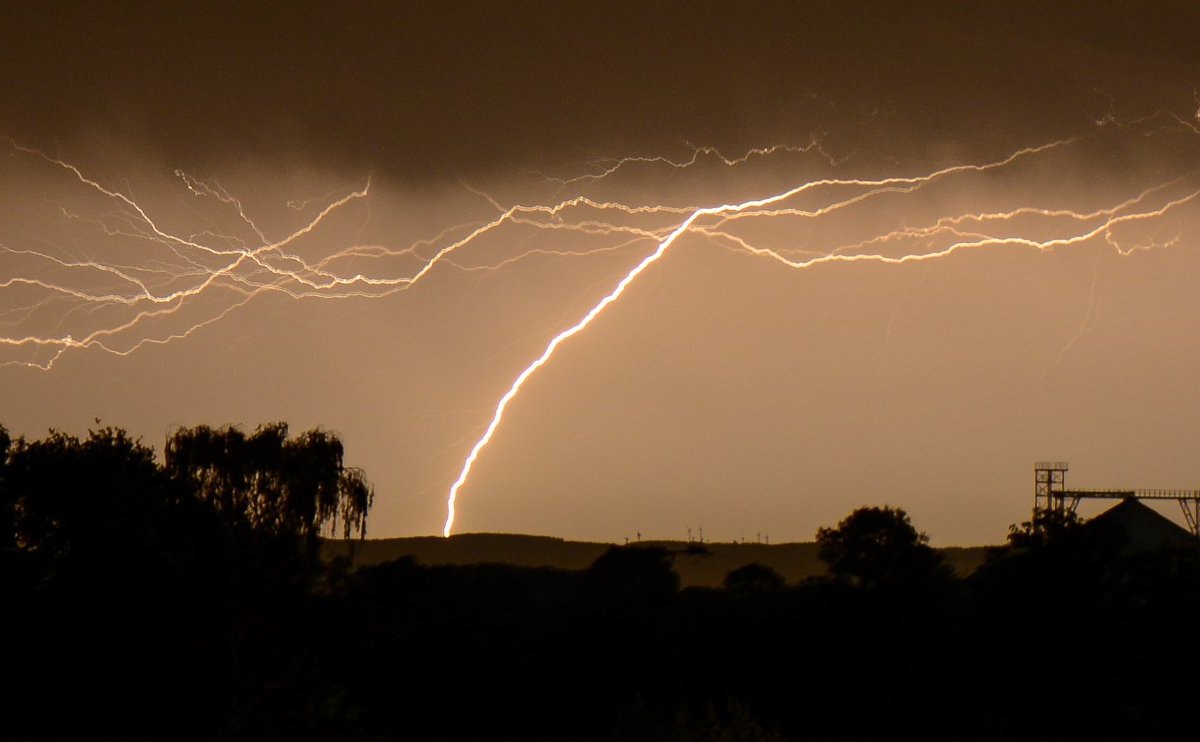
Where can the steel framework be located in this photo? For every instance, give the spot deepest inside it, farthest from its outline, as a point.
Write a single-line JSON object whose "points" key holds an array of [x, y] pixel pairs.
{"points": [[1050, 493]]}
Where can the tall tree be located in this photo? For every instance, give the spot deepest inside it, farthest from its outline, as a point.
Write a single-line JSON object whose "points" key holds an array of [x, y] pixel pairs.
{"points": [[270, 482], [67, 493], [877, 546]]}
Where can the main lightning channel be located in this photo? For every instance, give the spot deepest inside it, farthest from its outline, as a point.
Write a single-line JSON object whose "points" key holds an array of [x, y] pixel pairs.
{"points": [[549, 351], [728, 212]]}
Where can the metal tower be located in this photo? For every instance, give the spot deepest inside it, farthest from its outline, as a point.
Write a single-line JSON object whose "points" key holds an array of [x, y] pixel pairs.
{"points": [[1050, 493], [1049, 487]]}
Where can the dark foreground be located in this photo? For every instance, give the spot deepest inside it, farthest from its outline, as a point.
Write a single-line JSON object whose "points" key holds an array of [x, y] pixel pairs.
{"points": [[137, 607], [614, 652]]}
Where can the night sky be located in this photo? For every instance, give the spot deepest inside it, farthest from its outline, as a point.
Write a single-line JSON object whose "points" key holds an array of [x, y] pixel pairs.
{"points": [[725, 389]]}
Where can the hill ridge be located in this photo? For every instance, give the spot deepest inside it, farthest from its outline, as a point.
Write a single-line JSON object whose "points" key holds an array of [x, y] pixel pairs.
{"points": [[795, 560]]}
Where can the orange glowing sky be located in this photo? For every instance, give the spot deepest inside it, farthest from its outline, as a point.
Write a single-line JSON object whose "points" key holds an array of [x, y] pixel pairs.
{"points": [[374, 220]]}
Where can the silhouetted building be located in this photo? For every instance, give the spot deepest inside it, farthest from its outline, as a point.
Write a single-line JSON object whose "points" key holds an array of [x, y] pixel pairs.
{"points": [[1144, 528], [1050, 494]]}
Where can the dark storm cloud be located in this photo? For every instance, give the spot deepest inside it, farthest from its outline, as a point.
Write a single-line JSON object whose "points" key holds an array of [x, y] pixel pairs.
{"points": [[444, 89]]}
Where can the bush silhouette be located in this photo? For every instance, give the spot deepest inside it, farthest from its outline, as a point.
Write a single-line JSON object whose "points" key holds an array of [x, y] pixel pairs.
{"points": [[753, 578]]}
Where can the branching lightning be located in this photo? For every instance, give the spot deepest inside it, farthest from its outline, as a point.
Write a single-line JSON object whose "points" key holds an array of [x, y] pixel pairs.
{"points": [[77, 296]]}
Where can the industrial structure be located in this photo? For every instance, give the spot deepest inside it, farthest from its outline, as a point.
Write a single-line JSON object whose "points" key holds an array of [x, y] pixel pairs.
{"points": [[1050, 493]]}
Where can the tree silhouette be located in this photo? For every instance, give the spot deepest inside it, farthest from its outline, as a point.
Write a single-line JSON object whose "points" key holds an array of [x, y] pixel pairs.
{"points": [[1060, 557], [269, 482], [7, 506], [68, 494], [1046, 528], [196, 577], [634, 572], [879, 545], [105, 546]]}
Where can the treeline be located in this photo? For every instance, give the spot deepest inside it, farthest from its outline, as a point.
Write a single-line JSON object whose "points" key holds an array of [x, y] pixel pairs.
{"points": [[186, 600], [174, 599]]}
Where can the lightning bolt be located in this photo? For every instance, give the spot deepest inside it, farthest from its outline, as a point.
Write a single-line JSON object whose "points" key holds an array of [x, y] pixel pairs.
{"points": [[755, 207], [152, 294]]}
